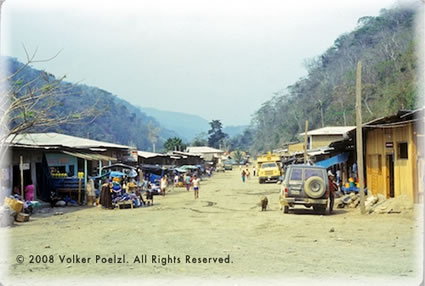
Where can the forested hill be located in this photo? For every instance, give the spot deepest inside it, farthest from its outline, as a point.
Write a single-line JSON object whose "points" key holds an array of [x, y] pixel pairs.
{"points": [[326, 96], [118, 121]]}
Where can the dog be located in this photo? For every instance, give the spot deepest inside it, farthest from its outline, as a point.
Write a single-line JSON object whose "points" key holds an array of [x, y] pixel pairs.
{"points": [[264, 203]]}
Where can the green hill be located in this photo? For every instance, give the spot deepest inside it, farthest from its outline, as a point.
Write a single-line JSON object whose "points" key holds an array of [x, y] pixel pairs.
{"points": [[118, 122], [326, 96]]}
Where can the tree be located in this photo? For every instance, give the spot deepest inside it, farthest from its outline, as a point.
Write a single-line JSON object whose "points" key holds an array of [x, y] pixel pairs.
{"points": [[237, 156], [216, 135], [200, 140], [34, 105], [174, 143]]}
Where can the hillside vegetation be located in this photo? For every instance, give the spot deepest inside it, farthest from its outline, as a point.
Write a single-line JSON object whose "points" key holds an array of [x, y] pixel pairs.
{"points": [[326, 96], [115, 121]]}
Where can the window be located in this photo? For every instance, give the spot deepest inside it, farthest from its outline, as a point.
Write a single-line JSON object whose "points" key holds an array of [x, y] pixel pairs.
{"points": [[268, 165], [310, 173], [402, 151], [296, 175]]}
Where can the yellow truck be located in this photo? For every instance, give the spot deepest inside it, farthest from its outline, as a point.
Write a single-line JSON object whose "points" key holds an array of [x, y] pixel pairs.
{"points": [[269, 168]]}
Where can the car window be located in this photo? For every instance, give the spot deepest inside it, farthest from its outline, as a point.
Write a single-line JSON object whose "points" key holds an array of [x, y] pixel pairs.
{"points": [[296, 174], [312, 172], [268, 165]]}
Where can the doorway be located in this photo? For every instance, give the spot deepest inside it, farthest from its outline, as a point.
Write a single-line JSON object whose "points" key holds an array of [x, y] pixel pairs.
{"points": [[390, 176]]}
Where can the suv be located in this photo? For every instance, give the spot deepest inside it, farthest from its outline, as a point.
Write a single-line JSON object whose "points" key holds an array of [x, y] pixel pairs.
{"points": [[305, 185]]}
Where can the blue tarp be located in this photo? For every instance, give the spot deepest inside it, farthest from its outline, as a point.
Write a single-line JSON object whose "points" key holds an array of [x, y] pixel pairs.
{"points": [[340, 158]]}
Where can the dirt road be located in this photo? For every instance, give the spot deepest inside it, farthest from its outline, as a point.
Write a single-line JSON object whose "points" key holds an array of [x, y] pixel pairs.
{"points": [[223, 233]]}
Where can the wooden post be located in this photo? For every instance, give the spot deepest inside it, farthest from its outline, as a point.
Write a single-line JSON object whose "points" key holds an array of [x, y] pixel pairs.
{"points": [[79, 190], [100, 173], [85, 179], [305, 141], [21, 170], [359, 137]]}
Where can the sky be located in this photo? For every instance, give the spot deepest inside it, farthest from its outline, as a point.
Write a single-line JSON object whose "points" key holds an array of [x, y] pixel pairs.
{"points": [[218, 59]]}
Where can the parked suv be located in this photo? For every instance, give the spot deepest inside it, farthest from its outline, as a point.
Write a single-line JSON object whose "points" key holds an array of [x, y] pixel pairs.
{"points": [[305, 185]]}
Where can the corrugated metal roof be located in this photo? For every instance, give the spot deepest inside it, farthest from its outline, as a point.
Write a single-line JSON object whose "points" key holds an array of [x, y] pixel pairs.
{"points": [[203, 150], [331, 130], [145, 154], [90, 156], [57, 139]]}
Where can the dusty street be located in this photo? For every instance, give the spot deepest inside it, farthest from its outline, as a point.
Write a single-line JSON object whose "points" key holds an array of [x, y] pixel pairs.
{"points": [[225, 222]]}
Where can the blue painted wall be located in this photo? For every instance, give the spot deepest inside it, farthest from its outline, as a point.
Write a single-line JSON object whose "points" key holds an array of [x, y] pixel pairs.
{"points": [[59, 159]]}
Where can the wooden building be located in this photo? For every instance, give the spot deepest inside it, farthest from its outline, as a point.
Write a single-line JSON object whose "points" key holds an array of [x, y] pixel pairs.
{"points": [[394, 157], [322, 137], [54, 153]]}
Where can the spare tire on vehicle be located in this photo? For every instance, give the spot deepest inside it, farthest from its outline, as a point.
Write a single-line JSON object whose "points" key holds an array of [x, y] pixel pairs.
{"points": [[315, 187]]}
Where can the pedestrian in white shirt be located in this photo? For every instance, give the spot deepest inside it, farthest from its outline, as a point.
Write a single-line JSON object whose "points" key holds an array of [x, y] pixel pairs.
{"points": [[196, 182]]}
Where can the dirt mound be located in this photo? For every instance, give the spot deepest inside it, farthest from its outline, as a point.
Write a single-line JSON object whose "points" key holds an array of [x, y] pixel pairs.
{"points": [[394, 205]]}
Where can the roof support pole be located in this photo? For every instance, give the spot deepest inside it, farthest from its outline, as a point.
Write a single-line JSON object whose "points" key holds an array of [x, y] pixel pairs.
{"points": [[21, 170], [100, 173], [305, 142], [85, 178]]}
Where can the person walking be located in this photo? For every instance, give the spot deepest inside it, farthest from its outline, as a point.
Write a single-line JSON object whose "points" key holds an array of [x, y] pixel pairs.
{"points": [[196, 182], [187, 181], [243, 176], [176, 180], [254, 170]]}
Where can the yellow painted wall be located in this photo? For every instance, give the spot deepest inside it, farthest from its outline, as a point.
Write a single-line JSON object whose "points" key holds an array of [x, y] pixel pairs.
{"points": [[295, 147], [376, 165], [319, 141]]}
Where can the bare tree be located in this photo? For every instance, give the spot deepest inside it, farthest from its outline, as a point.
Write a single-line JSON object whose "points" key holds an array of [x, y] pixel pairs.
{"points": [[33, 105]]}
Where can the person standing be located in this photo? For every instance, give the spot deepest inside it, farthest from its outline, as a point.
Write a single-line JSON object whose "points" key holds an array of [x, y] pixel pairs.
{"points": [[176, 180], [243, 176], [338, 176], [163, 185], [254, 171], [332, 189], [187, 181], [196, 182], [29, 192], [106, 195]]}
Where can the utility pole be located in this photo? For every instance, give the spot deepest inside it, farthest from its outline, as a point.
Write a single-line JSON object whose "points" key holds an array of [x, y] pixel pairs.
{"points": [[305, 141], [359, 136]]}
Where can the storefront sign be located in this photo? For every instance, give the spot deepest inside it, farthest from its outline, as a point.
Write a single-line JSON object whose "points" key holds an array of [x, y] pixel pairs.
{"points": [[25, 166], [389, 144]]}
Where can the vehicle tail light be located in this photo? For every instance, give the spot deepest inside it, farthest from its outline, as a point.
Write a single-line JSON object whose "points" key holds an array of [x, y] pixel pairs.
{"points": [[286, 192]]}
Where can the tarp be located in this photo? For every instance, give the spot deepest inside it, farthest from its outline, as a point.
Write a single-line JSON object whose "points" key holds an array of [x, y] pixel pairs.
{"points": [[340, 158], [188, 167]]}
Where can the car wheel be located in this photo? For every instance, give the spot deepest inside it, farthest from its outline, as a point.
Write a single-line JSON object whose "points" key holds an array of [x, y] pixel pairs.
{"points": [[315, 187], [285, 209], [320, 209]]}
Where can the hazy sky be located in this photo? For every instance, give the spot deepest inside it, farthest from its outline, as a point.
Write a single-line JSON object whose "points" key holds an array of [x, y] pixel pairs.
{"points": [[220, 59]]}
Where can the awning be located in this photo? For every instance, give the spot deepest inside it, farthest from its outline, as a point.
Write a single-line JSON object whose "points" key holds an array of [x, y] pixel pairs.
{"points": [[340, 158], [89, 156]]}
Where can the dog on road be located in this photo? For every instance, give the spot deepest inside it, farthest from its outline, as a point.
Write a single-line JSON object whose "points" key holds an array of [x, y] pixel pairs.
{"points": [[264, 203]]}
